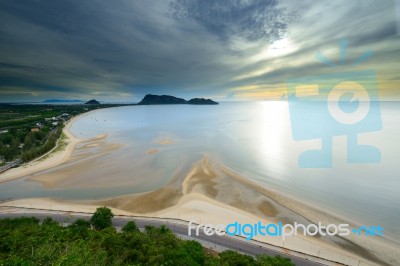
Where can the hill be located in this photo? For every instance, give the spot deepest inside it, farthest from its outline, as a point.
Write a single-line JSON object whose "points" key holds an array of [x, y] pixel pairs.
{"points": [[92, 102], [161, 99], [201, 101], [167, 99]]}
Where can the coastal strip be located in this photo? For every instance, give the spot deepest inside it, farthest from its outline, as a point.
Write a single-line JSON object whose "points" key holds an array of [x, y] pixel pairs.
{"points": [[50, 159]]}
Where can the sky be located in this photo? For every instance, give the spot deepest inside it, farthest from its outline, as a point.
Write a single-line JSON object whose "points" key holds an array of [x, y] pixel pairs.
{"points": [[119, 51]]}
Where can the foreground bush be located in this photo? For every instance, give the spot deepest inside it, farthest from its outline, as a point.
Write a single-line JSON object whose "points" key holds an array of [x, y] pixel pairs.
{"points": [[27, 241]]}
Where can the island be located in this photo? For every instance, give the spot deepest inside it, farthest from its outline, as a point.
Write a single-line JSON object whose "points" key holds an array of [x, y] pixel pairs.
{"points": [[201, 101], [167, 99], [92, 102]]}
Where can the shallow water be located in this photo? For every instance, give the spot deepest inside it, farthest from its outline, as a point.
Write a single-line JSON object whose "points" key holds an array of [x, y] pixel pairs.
{"points": [[254, 139]]}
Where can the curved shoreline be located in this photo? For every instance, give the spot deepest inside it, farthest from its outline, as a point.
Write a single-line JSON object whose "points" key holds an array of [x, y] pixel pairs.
{"points": [[195, 201], [214, 194], [54, 157]]}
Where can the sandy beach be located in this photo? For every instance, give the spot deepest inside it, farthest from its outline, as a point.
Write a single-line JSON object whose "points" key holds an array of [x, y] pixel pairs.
{"points": [[82, 148], [209, 192], [48, 160], [212, 193]]}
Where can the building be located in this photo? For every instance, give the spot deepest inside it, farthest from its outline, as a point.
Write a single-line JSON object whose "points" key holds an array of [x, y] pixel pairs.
{"points": [[35, 129]]}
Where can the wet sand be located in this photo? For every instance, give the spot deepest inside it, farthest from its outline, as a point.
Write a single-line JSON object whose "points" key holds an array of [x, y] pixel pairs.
{"points": [[69, 174], [212, 193], [164, 141], [152, 151]]}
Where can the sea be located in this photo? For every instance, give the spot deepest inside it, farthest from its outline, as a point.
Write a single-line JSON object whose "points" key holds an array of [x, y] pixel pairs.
{"points": [[263, 141]]}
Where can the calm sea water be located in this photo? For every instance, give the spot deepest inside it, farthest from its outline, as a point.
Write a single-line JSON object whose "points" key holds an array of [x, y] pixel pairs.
{"points": [[254, 139]]}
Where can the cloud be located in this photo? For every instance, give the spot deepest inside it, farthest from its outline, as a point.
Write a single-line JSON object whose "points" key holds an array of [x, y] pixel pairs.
{"points": [[125, 49], [252, 20]]}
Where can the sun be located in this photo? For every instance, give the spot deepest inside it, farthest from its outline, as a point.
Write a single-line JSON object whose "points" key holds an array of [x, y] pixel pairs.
{"points": [[280, 47], [281, 44], [276, 49]]}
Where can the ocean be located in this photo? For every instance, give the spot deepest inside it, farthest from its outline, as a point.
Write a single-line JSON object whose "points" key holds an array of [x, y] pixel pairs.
{"points": [[259, 140]]}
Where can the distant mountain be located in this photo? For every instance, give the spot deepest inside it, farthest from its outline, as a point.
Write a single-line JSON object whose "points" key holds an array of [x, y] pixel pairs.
{"points": [[201, 101], [167, 99], [92, 102], [163, 99], [61, 101]]}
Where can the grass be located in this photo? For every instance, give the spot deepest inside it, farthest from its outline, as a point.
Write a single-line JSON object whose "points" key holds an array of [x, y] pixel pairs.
{"points": [[61, 145]]}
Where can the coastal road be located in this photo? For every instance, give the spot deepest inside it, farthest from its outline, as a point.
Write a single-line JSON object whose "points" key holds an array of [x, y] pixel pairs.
{"points": [[252, 248]]}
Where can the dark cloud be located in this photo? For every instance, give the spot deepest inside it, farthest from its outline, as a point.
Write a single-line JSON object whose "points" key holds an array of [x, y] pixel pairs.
{"points": [[123, 50], [60, 16], [383, 33], [252, 20]]}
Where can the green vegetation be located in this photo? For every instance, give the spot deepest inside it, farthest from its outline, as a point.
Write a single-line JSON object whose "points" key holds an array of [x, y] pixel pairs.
{"points": [[27, 241], [102, 218], [29, 131], [62, 142], [49, 144]]}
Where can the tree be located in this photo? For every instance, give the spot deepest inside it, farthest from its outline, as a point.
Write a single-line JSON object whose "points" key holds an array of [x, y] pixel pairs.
{"points": [[79, 229], [80, 223], [193, 251], [102, 218], [28, 140], [48, 221], [25, 241], [7, 138], [130, 227], [230, 257]]}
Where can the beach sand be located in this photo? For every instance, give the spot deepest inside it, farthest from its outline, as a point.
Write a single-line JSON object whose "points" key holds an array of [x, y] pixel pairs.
{"points": [[214, 194], [152, 151], [74, 173], [209, 192], [164, 141], [48, 160]]}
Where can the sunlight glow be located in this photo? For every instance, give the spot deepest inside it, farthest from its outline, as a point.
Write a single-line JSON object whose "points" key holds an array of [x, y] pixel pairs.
{"points": [[278, 48], [271, 132]]}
